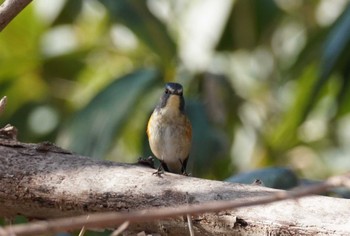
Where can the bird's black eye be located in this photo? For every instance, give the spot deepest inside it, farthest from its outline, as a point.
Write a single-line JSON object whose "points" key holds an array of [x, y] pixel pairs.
{"points": [[167, 91]]}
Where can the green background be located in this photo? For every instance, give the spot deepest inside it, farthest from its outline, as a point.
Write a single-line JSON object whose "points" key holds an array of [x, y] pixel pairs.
{"points": [[268, 88]]}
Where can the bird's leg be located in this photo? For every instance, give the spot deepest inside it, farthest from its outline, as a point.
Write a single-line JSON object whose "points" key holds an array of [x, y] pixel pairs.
{"points": [[183, 167], [159, 171], [161, 168]]}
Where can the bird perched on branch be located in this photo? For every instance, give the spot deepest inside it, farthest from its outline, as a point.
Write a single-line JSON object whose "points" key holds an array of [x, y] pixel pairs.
{"points": [[169, 131]]}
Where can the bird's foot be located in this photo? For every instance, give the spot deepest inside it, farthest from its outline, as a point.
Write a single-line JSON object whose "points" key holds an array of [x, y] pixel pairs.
{"points": [[159, 171], [183, 167]]}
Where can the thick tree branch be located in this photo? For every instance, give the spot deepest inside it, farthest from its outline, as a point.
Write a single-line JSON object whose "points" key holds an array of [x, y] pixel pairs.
{"points": [[44, 181], [104, 220], [10, 9]]}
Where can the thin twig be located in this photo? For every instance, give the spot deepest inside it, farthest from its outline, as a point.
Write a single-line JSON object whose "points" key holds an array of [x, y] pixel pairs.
{"points": [[188, 216], [9, 9], [121, 228], [110, 219], [83, 229], [190, 225], [3, 103]]}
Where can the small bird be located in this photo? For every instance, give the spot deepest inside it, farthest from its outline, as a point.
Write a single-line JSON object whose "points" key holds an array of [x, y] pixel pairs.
{"points": [[169, 131]]}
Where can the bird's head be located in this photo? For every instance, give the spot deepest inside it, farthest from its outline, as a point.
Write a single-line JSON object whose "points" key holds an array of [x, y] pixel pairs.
{"points": [[172, 97]]}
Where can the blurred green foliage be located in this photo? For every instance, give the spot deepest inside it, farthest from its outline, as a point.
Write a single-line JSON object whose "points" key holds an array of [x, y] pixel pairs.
{"points": [[270, 86]]}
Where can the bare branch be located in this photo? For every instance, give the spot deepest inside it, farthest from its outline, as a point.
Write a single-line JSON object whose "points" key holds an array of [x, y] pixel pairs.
{"points": [[10, 9]]}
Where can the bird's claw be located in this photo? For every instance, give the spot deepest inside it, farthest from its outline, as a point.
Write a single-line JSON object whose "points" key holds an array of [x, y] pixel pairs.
{"points": [[184, 173], [158, 173]]}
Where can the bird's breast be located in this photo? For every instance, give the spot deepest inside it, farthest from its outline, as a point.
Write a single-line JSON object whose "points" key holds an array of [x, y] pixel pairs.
{"points": [[169, 133]]}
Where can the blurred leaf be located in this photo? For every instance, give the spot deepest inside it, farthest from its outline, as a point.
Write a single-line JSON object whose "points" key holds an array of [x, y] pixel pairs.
{"points": [[311, 50], [69, 12], [135, 15], [19, 45], [343, 98], [221, 106], [248, 23], [207, 143], [284, 135], [70, 65], [93, 129], [221, 102], [133, 140], [267, 13], [20, 60], [336, 55], [5, 84], [336, 46]]}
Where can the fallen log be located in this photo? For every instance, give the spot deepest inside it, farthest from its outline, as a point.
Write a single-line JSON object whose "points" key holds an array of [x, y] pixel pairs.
{"points": [[43, 181]]}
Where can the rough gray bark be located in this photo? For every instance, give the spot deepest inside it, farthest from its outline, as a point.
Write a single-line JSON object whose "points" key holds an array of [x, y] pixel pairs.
{"points": [[44, 181]]}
